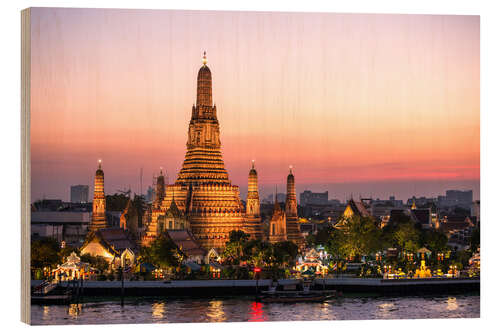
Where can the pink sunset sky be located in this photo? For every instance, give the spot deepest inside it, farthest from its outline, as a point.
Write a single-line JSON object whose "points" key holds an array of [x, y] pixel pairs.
{"points": [[357, 103]]}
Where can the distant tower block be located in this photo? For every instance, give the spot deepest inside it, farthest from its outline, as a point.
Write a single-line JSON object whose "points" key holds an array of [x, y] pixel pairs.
{"points": [[99, 203], [253, 219]]}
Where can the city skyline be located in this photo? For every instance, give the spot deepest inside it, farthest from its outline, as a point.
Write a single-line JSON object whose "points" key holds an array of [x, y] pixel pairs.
{"points": [[351, 101]]}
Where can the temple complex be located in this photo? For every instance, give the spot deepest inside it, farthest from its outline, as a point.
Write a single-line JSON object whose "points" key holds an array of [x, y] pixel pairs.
{"points": [[99, 203], [202, 201], [202, 193]]}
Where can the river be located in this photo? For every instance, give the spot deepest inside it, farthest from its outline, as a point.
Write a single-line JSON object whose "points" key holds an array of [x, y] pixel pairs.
{"points": [[242, 309]]}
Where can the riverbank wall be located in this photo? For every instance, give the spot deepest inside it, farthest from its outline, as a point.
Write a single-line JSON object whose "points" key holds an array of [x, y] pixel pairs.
{"points": [[211, 288]]}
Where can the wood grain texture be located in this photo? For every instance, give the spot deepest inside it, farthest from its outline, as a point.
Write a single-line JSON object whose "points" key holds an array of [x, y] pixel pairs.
{"points": [[25, 164]]}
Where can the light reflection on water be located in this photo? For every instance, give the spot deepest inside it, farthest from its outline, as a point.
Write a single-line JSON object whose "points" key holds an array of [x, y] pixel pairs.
{"points": [[158, 310], [452, 304], [163, 310]]}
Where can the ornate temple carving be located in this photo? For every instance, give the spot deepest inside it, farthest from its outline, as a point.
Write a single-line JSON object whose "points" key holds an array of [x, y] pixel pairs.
{"points": [[253, 218], [278, 224], [292, 220], [202, 199], [203, 193]]}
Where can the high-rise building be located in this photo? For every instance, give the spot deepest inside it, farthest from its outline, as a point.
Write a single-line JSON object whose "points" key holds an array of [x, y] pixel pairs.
{"points": [[79, 194], [456, 198], [99, 202], [311, 198]]}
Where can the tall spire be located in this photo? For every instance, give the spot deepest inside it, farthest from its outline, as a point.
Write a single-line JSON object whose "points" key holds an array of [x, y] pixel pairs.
{"points": [[99, 202], [204, 88], [204, 59], [160, 189], [253, 203], [203, 162], [291, 197]]}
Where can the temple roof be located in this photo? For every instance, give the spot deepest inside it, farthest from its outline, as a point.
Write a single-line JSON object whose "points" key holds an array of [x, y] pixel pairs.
{"points": [[115, 240], [173, 210], [186, 243]]}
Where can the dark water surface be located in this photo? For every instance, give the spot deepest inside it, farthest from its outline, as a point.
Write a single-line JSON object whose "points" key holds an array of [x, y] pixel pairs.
{"points": [[165, 310]]}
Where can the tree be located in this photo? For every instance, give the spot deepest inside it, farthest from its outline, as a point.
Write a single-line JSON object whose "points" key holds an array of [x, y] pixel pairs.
{"points": [[233, 251], [116, 202], [475, 239], [434, 240], [406, 237], [98, 262], [139, 204], [361, 237], [335, 243], [162, 253], [284, 253], [258, 252], [45, 253]]}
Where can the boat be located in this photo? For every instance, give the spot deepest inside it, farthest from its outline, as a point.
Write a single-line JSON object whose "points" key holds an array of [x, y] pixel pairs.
{"points": [[303, 294], [280, 297]]}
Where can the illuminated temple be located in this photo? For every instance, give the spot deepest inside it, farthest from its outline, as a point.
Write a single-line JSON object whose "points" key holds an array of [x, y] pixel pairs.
{"points": [[202, 202], [203, 195]]}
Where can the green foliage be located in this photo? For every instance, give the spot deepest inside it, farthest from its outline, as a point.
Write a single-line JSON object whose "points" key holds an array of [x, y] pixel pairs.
{"points": [[434, 240], [406, 237], [335, 243], [257, 252], [116, 202], [162, 253], [45, 253], [284, 253], [233, 252], [462, 259], [97, 262], [363, 237]]}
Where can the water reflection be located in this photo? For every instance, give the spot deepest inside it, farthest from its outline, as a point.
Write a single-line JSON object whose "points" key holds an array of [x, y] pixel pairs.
{"points": [[256, 312], [216, 311], [385, 309], [452, 304], [246, 309], [158, 310], [74, 310], [46, 312]]}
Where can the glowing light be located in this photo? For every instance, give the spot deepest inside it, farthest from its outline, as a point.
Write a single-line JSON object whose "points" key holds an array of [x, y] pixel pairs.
{"points": [[204, 59]]}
